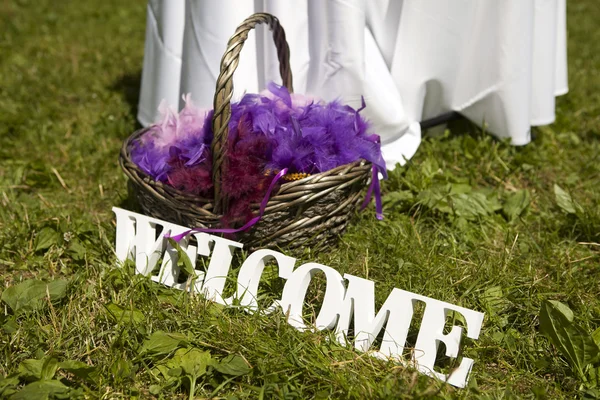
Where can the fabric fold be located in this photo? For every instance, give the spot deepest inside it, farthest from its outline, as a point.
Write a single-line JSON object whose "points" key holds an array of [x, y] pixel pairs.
{"points": [[500, 64]]}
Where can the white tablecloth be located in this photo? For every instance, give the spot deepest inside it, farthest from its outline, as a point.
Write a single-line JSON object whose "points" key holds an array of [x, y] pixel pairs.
{"points": [[499, 63]]}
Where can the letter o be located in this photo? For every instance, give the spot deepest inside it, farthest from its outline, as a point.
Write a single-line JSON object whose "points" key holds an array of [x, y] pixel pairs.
{"points": [[294, 293]]}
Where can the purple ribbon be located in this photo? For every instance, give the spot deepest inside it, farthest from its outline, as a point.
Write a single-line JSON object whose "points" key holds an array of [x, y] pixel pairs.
{"points": [[374, 187], [248, 224]]}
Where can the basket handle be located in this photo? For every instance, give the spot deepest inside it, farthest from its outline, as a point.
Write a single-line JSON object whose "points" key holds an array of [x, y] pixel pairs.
{"points": [[224, 92]]}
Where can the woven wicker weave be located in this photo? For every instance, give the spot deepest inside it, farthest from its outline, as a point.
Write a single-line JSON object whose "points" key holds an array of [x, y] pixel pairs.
{"points": [[307, 212]]}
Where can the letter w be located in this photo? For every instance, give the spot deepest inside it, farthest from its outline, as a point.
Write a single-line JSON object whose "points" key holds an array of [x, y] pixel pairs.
{"points": [[137, 240]]}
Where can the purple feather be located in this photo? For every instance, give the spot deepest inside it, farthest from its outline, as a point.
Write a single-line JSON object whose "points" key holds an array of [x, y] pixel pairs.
{"points": [[267, 132]]}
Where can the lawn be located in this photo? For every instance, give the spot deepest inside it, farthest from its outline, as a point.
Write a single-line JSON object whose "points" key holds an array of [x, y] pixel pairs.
{"points": [[470, 220]]}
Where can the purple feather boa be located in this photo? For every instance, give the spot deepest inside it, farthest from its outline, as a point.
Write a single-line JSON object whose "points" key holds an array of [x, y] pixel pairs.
{"points": [[268, 132]]}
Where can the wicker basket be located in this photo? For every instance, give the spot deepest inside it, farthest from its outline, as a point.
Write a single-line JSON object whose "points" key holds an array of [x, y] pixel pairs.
{"points": [[307, 212]]}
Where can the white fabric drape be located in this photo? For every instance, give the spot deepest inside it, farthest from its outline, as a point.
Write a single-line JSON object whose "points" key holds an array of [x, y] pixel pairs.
{"points": [[162, 57], [499, 63]]}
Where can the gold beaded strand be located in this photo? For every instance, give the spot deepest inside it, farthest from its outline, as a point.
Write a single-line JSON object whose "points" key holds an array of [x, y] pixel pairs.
{"points": [[294, 176]]}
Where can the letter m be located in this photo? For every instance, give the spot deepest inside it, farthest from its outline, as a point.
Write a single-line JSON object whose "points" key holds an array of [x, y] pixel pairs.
{"points": [[397, 312]]}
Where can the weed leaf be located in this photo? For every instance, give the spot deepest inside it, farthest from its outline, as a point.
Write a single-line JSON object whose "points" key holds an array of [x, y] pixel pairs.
{"points": [[31, 370], [29, 295], [564, 200], [49, 368], [593, 376], [183, 258], [495, 301], [574, 343], [120, 314], [8, 386], [122, 369], [596, 337], [155, 389], [9, 325], [435, 199], [516, 203], [77, 368], [459, 188], [42, 390], [166, 372], [471, 205], [77, 250], [163, 343], [430, 168], [45, 238], [194, 362], [563, 308], [459, 200], [232, 365], [394, 198]]}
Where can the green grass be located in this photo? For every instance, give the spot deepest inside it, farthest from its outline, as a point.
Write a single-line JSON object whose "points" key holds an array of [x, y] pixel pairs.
{"points": [[69, 78]]}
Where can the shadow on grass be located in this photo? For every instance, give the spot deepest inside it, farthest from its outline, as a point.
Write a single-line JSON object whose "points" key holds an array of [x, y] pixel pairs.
{"points": [[130, 202], [462, 126], [457, 127], [584, 227], [128, 85]]}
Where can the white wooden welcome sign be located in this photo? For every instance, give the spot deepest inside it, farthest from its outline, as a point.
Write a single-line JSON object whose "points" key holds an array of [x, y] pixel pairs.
{"points": [[347, 298]]}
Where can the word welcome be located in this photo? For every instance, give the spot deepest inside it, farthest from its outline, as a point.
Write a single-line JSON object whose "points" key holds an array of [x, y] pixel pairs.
{"points": [[142, 239]]}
